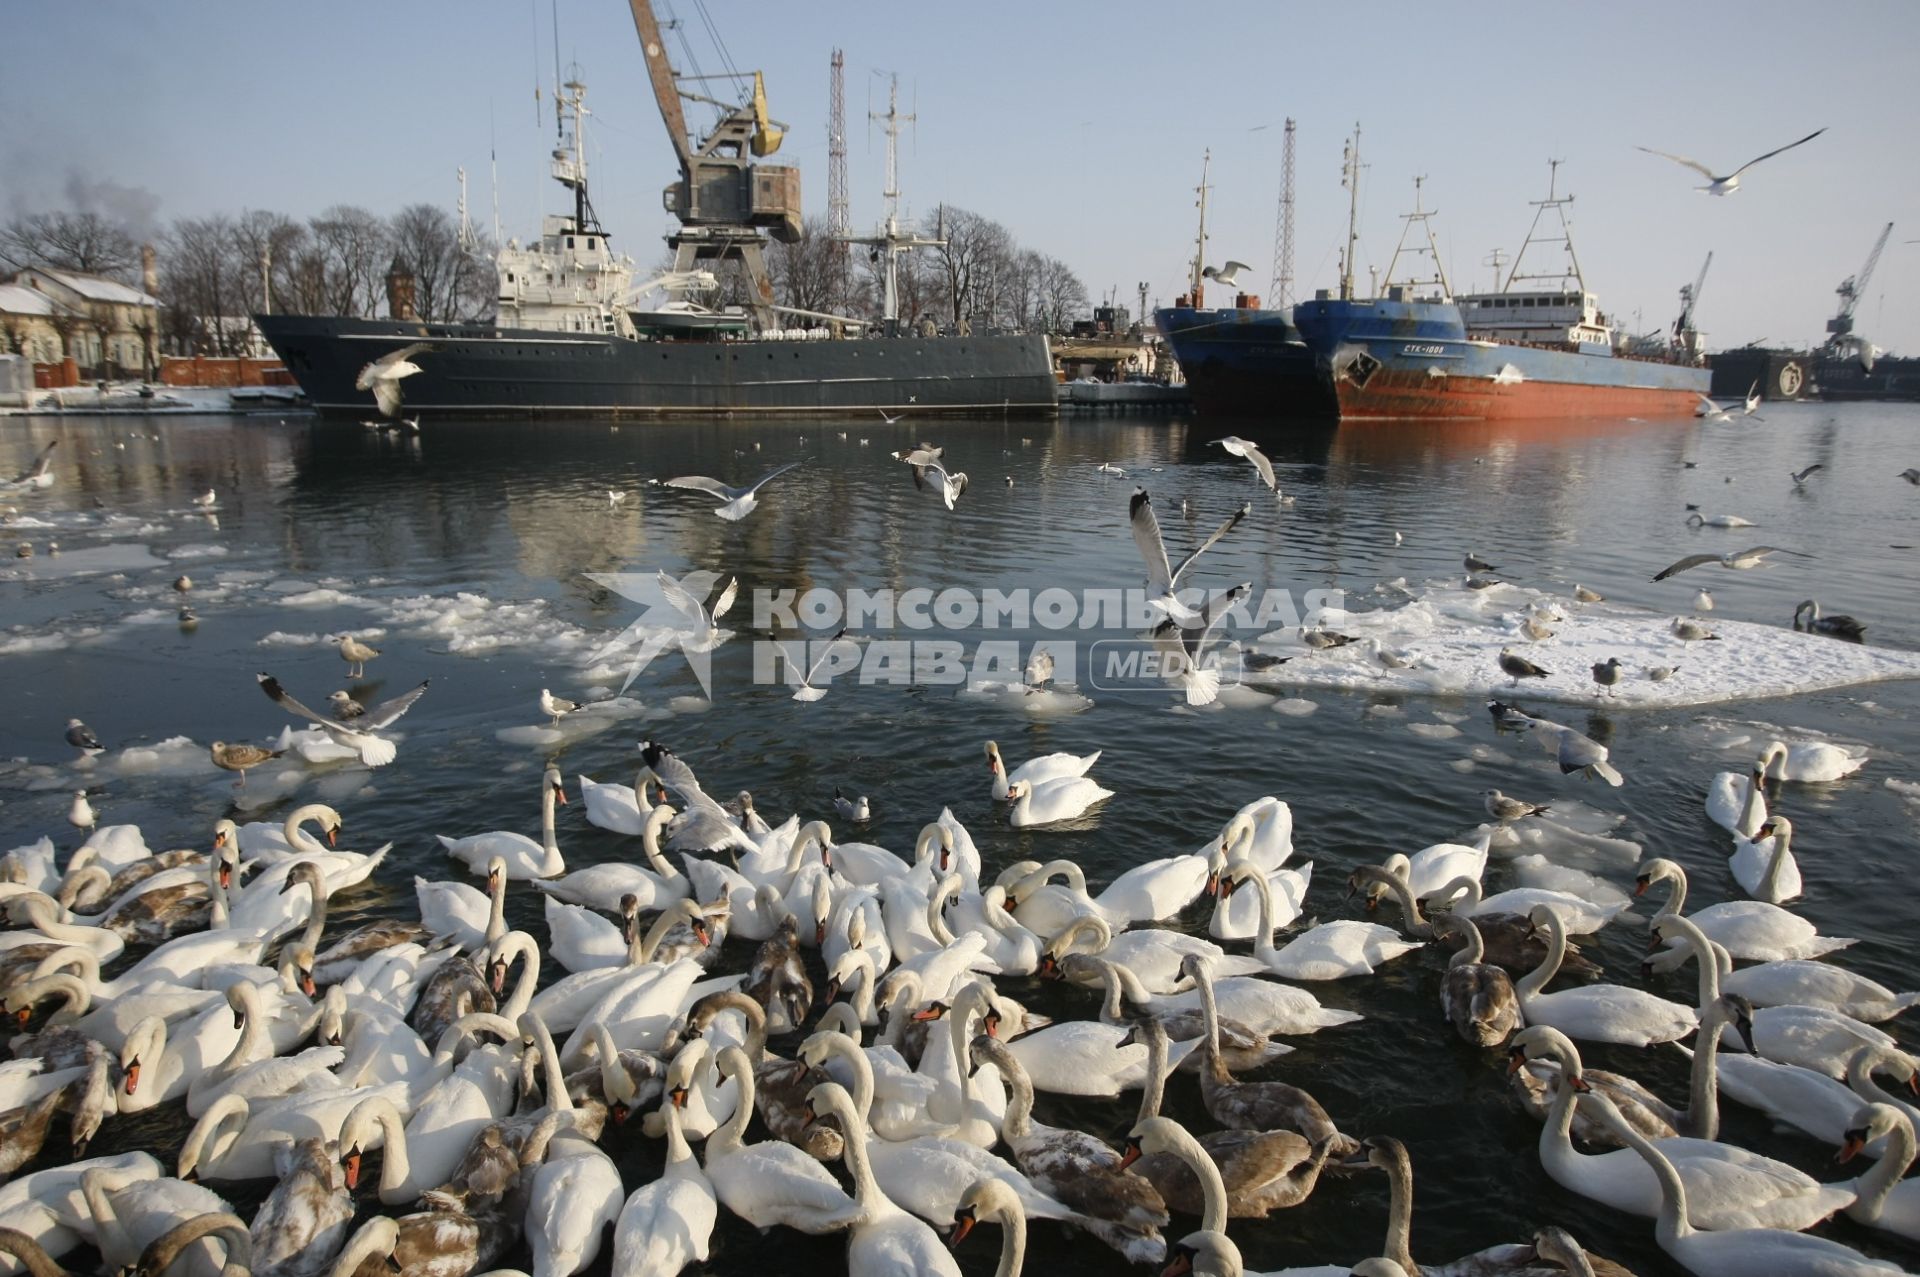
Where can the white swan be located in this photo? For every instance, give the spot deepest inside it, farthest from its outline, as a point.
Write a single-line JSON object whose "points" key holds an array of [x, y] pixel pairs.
{"points": [[885, 1240], [1152, 954], [1728, 1187], [1597, 1012], [1330, 951], [1429, 870], [1811, 1037], [1083, 1057], [1039, 770], [1812, 762], [1053, 801], [252, 1069], [524, 858], [1737, 803], [667, 1223], [454, 909], [1737, 1252], [1236, 915], [1818, 984], [581, 940], [1884, 1199], [127, 1218], [1578, 915], [617, 808], [772, 1182], [235, 1139], [1765, 867], [1147, 892], [1750, 930], [652, 888], [990, 1199], [576, 1195], [270, 842]]}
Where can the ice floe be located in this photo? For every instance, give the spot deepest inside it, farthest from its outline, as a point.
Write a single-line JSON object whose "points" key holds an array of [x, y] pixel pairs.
{"points": [[1455, 635]]}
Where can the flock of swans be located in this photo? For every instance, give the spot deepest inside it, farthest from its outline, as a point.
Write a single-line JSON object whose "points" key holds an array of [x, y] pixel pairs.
{"points": [[423, 1095]]}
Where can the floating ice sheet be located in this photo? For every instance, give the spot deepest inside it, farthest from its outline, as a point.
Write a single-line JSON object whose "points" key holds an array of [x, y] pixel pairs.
{"points": [[1454, 636]]}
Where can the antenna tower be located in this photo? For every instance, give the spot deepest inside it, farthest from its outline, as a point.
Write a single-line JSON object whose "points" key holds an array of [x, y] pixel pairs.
{"points": [[839, 209], [1280, 288]]}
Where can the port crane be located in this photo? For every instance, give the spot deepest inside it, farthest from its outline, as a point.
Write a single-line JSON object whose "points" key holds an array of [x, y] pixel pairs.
{"points": [[1840, 334], [1685, 336], [723, 200]]}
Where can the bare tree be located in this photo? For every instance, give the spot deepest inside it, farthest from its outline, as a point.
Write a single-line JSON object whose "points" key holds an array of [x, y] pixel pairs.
{"points": [[84, 242], [200, 284], [1022, 290], [807, 274], [256, 232], [975, 248], [355, 249], [426, 238], [1062, 295]]}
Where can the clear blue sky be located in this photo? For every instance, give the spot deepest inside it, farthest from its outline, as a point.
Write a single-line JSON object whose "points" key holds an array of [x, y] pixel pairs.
{"points": [[1079, 126]]}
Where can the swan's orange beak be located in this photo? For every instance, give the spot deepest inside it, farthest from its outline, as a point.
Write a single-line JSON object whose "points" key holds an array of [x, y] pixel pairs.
{"points": [[678, 1097], [351, 1165], [812, 1117], [499, 973], [23, 1015], [1640, 886], [307, 986], [333, 836], [819, 934], [991, 1024], [932, 1011], [1213, 885], [701, 934], [133, 1075], [220, 840], [1851, 1147], [1049, 967], [1181, 1266], [560, 795], [1516, 1060], [226, 876], [1132, 1154], [1580, 1084], [962, 1225]]}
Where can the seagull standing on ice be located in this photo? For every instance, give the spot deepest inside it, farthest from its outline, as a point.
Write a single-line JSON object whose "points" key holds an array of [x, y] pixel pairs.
{"points": [[556, 707], [735, 503], [207, 500], [1228, 275], [356, 654], [238, 758], [383, 375], [1518, 667], [1718, 184], [1241, 448], [1504, 808], [80, 815], [374, 751], [1163, 579]]}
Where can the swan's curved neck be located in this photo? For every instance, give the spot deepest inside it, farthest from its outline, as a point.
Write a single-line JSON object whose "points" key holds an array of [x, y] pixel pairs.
{"points": [[1782, 848], [557, 1098], [936, 916], [1415, 922], [1886, 1171], [1263, 935], [213, 1134], [1671, 1224], [863, 1008], [231, 1232], [316, 912], [1210, 1009], [869, 1198], [1474, 951], [731, 1137], [1676, 902], [296, 838], [1400, 1209], [1752, 807], [1155, 1087], [396, 1167], [1536, 979], [1702, 1118], [650, 943], [549, 840], [253, 1034], [43, 912], [1464, 892], [525, 983], [678, 1150], [1213, 1186], [1695, 940], [1018, 1122], [36, 1261], [497, 908], [1013, 1241], [650, 837], [849, 1050]]}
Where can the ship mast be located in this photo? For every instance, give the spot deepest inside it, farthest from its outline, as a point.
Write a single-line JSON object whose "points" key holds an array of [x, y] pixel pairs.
{"points": [[1558, 203], [1423, 218], [891, 242], [1350, 178], [1197, 283]]}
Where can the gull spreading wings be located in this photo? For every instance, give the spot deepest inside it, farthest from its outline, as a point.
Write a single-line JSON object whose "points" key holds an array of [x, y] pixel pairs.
{"points": [[1163, 578], [703, 824], [37, 475], [695, 609], [1727, 184], [1241, 448], [1740, 559], [1570, 749], [1198, 679], [951, 485], [735, 503], [384, 374], [374, 751], [1228, 274], [803, 683]]}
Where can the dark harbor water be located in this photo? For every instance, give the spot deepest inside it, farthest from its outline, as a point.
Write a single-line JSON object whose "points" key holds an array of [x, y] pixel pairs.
{"points": [[468, 551]]}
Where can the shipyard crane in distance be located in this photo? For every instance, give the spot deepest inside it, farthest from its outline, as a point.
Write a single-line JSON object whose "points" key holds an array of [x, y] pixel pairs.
{"points": [[1840, 334], [1686, 337], [723, 200]]}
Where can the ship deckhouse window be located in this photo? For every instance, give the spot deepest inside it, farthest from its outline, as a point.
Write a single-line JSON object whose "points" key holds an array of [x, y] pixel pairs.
{"points": [[569, 241]]}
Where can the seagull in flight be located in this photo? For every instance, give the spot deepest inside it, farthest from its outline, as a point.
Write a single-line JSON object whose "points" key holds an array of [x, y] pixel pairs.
{"points": [[735, 503], [889, 420], [1799, 477], [951, 485], [383, 375], [703, 824], [1753, 402], [1712, 411], [802, 683], [1727, 184], [37, 475], [706, 620], [1199, 678], [374, 751], [1229, 275], [919, 457], [1739, 559], [1163, 579], [1241, 448]]}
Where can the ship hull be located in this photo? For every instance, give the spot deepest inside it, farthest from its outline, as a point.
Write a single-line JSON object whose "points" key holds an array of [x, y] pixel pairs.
{"points": [[1245, 362], [1842, 377], [481, 371], [1395, 359]]}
